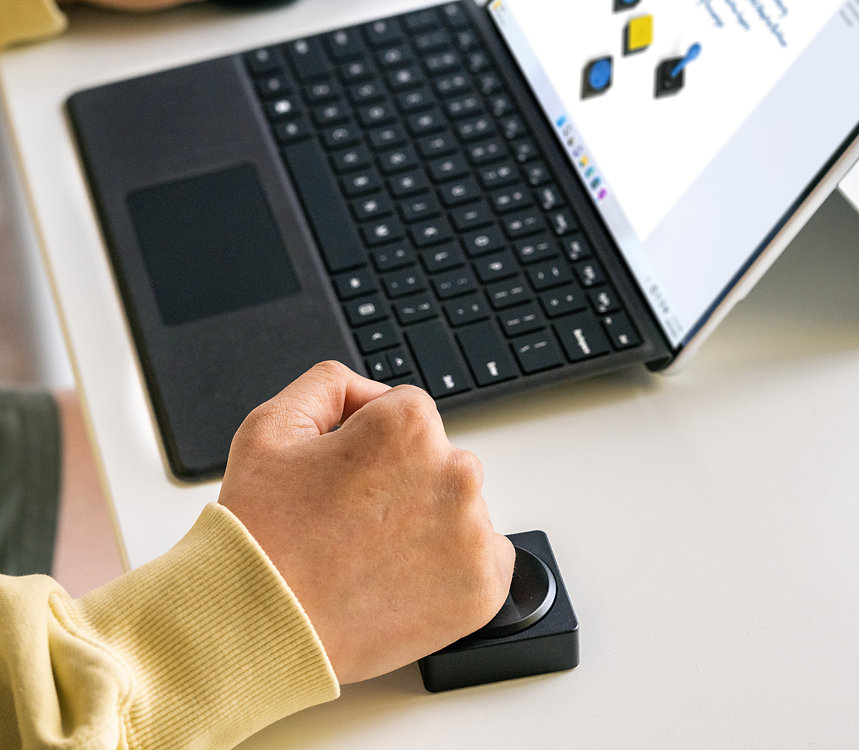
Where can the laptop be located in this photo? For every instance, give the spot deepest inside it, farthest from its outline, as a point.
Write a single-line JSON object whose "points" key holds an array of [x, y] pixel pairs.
{"points": [[476, 199]]}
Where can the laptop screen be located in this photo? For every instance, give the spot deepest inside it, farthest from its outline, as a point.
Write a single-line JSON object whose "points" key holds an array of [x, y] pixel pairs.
{"points": [[696, 127]]}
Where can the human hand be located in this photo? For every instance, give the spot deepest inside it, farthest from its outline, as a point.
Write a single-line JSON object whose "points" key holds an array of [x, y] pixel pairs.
{"points": [[379, 528]]}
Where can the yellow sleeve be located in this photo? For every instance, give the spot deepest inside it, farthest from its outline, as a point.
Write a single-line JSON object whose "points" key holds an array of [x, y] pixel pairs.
{"points": [[26, 20], [201, 647]]}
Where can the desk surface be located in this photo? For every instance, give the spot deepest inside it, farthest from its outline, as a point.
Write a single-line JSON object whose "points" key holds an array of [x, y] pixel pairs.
{"points": [[707, 524]]}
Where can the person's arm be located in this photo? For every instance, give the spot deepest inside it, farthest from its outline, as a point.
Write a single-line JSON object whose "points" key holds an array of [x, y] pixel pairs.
{"points": [[30, 20], [27, 20], [379, 529]]}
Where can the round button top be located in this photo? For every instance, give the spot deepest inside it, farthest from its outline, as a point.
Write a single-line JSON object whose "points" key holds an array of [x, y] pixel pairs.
{"points": [[532, 593]]}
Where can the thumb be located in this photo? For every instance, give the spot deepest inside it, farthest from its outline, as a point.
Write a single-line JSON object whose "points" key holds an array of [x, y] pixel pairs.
{"points": [[319, 400]]}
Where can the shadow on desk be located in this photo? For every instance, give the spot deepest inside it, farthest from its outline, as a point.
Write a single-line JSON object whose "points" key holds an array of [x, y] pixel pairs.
{"points": [[806, 305]]}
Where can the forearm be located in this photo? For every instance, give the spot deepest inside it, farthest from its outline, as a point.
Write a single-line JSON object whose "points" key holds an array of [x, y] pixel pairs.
{"points": [[207, 643], [27, 20]]}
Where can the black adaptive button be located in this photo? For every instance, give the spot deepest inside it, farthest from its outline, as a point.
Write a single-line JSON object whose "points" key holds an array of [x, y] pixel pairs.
{"points": [[532, 594]]}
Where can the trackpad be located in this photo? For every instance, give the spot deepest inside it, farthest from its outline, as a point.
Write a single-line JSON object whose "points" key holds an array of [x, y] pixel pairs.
{"points": [[210, 245]]}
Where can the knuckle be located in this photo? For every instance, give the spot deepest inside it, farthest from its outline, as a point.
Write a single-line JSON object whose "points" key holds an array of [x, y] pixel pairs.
{"points": [[465, 472]]}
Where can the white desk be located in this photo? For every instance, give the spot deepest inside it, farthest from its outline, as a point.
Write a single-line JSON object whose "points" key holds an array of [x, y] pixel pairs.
{"points": [[707, 525]]}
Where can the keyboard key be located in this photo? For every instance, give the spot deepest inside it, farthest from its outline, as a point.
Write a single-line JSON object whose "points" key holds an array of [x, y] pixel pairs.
{"points": [[472, 216], [355, 284], [562, 301], [372, 207], [397, 54], [590, 274], [498, 175], [399, 362], [437, 359], [562, 222], [463, 106], [422, 20], [291, 131], [367, 92], [358, 183], [443, 258], [576, 247], [341, 136], [582, 337], [308, 58], [320, 92], [344, 43], [382, 138], [379, 113], [451, 85], [263, 61], [401, 283], [376, 336], [398, 160], [508, 293], [483, 241], [365, 310], [487, 353], [382, 231], [603, 301], [453, 283], [454, 15], [459, 192], [431, 232], [331, 114], [357, 70], [351, 159], [474, 128], [415, 309], [534, 249], [523, 223], [447, 168], [273, 86], [382, 32], [496, 266], [440, 144], [432, 40], [409, 183], [415, 100], [285, 106], [549, 274], [537, 352], [620, 330], [464, 310], [378, 367], [522, 319], [393, 256], [405, 77], [425, 122], [419, 207], [548, 197], [510, 199], [485, 152]]}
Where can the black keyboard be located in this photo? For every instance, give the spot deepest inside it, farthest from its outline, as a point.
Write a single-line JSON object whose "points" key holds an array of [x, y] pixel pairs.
{"points": [[457, 260]]}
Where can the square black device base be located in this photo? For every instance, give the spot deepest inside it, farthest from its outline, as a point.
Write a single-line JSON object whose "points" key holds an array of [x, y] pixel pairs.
{"points": [[549, 645]]}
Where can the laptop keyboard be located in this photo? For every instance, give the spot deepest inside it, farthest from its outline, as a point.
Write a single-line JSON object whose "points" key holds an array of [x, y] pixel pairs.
{"points": [[456, 258]]}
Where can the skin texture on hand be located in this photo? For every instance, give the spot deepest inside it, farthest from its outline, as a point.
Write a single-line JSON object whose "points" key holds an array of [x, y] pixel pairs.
{"points": [[379, 528]]}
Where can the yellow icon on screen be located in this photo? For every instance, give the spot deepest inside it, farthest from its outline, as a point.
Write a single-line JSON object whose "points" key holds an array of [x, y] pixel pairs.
{"points": [[638, 35]]}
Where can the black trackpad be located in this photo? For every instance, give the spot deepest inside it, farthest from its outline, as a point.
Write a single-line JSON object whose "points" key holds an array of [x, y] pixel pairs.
{"points": [[210, 245]]}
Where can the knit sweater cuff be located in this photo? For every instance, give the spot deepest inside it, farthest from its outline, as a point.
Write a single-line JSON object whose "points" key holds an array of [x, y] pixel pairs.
{"points": [[212, 635], [26, 20]]}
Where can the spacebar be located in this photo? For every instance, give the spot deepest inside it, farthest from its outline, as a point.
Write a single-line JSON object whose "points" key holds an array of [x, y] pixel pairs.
{"points": [[437, 359], [338, 239]]}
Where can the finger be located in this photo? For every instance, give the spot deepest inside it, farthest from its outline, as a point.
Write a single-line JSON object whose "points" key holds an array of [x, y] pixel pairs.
{"points": [[323, 397]]}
